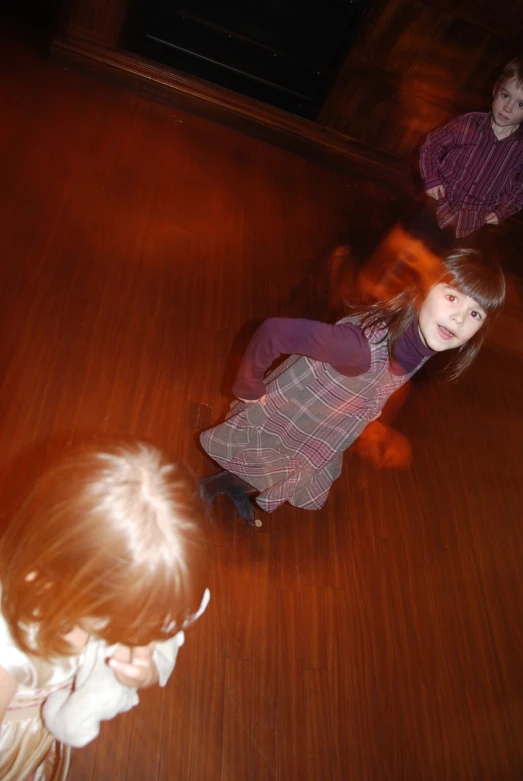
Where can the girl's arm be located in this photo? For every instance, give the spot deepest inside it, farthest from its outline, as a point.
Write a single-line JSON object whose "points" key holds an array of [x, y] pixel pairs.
{"points": [[8, 687], [342, 346]]}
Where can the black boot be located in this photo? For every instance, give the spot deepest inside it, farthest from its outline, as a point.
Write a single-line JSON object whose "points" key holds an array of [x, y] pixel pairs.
{"points": [[236, 489]]}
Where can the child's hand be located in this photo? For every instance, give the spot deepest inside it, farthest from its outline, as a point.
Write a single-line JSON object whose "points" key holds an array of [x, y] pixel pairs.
{"points": [[492, 219], [255, 401], [397, 453], [134, 666], [383, 446], [436, 192]]}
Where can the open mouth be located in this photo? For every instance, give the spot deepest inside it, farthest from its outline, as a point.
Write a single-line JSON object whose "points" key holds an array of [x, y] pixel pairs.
{"points": [[503, 117], [445, 333]]}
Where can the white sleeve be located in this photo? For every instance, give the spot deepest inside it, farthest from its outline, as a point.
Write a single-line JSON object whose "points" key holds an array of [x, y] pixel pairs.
{"points": [[203, 607], [164, 656], [165, 653], [74, 717]]}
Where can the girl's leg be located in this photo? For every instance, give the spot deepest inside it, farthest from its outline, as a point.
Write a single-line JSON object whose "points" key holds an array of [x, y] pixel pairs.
{"points": [[236, 489]]}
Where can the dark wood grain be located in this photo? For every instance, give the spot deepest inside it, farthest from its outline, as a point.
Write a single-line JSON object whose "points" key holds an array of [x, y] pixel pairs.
{"points": [[240, 597], [319, 745], [179, 714], [237, 727], [265, 694], [209, 725], [291, 688]]}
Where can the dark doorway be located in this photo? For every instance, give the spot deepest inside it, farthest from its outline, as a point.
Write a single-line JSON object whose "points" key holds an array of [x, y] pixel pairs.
{"points": [[286, 53]]}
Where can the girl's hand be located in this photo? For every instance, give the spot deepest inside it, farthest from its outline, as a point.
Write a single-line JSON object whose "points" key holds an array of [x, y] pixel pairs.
{"points": [[134, 666], [397, 453], [255, 401], [436, 192], [492, 219], [383, 446]]}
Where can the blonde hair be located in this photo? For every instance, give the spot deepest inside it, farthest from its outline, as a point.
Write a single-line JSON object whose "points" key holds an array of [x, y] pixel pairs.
{"points": [[112, 534]]}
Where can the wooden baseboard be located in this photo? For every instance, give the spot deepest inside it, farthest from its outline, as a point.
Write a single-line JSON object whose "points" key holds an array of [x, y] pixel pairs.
{"points": [[244, 114]]}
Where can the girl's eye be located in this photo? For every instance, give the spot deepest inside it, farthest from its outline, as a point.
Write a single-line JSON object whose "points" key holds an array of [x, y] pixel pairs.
{"points": [[451, 298], [476, 315], [520, 105]]}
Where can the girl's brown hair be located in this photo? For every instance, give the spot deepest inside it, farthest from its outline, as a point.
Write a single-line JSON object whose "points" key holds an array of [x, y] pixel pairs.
{"points": [[111, 534], [466, 270]]}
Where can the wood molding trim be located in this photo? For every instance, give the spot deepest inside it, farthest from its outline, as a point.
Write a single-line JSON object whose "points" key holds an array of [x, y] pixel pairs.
{"points": [[229, 108]]}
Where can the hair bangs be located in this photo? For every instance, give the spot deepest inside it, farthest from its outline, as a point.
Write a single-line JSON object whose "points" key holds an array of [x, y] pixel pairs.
{"points": [[153, 607], [472, 275], [513, 70]]}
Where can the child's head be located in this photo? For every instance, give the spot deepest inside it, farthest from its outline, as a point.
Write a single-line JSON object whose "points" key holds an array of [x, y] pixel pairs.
{"points": [[111, 534], [455, 299], [461, 306], [507, 106]]}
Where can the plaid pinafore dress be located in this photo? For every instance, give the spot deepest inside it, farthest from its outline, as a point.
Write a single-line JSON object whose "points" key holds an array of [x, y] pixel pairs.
{"points": [[291, 449]]}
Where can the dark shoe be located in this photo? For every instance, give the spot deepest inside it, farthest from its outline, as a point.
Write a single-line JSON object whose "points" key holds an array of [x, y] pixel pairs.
{"points": [[236, 489]]}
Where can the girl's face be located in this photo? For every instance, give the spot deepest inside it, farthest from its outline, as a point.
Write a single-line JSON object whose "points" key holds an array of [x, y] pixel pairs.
{"points": [[448, 318]]}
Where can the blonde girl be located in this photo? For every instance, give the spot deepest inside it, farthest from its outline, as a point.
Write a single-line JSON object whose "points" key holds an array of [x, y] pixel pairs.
{"points": [[107, 545]]}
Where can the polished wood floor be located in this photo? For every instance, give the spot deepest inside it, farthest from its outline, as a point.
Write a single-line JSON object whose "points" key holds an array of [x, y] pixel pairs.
{"points": [[380, 638]]}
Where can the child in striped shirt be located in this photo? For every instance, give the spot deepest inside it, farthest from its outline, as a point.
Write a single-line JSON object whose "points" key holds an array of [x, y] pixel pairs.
{"points": [[473, 165]]}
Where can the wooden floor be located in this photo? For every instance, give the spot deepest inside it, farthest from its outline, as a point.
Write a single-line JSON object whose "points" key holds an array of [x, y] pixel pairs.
{"points": [[379, 638]]}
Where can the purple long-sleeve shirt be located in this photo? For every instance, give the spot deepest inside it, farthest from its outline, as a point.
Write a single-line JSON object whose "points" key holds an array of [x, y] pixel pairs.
{"points": [[480, 172], [343, 346]]}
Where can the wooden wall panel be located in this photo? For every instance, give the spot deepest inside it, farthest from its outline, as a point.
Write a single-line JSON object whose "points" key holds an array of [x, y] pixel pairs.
{"points": [[97, 21], [496, 16], [416, 64], [396, 36]]}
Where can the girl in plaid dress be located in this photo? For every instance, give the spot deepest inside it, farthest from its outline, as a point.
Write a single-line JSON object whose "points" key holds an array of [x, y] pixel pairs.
{"points": [[285, 437]]}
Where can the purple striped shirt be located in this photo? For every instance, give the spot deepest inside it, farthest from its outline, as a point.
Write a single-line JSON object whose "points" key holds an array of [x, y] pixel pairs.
{"points": [[481, 173]]}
